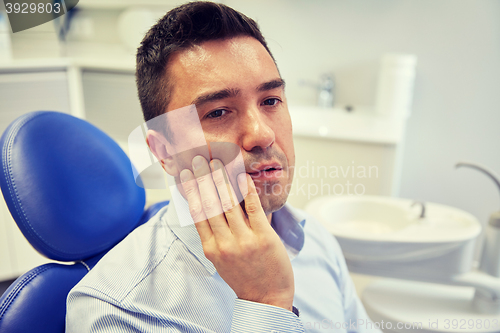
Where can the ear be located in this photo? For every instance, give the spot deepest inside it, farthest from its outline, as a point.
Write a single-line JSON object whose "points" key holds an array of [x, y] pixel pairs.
{"points": [[161, 148]]}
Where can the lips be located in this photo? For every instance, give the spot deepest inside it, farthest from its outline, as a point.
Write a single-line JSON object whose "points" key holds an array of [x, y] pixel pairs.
{"points": [[265, 170]]}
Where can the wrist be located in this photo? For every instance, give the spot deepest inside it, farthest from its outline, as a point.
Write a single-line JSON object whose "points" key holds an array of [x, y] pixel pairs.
{"points": [[278, 300], [287, 305]]}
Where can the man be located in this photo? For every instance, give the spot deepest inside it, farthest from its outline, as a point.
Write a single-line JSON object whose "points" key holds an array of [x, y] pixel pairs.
{"points": [[248, 268]]}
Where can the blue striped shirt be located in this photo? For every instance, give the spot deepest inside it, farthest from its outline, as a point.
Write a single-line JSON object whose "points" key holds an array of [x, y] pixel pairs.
{"points": [[159, 280]]}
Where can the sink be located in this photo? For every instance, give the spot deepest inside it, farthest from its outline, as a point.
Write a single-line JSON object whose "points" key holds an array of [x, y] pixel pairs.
{"points": [[360, 125], [385, 236]]}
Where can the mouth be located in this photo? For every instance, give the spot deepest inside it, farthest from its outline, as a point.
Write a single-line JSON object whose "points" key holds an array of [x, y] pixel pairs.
{"points": [[268, 170]]}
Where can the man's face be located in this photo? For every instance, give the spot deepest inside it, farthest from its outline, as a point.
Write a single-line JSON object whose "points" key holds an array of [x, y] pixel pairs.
{"points": [[240, 98]]}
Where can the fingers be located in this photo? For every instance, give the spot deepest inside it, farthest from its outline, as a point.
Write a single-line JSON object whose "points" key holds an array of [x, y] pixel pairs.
{"points": [[209, 198], [253, 207], [229, 201], [190, 187], [213, 202], [224, 188]]}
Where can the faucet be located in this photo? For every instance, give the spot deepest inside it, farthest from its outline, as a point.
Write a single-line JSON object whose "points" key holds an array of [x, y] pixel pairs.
{"points": [[326, 88], [490, 258], [326, 96], [422, 212], [487, 301]]}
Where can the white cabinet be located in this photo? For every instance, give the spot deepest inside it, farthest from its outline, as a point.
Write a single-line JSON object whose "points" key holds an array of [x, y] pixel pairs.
{"points": [[340, 167], [111, 102], [26, 91], [6, 263], [341, 153]]}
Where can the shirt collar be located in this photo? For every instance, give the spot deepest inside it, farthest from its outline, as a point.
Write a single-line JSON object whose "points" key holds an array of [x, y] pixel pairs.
{"points": [[287, 223], [290, 228]]}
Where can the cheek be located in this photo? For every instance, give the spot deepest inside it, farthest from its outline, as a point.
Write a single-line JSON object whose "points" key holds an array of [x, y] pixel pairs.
{"points": [[286, 138], [217, 136]]}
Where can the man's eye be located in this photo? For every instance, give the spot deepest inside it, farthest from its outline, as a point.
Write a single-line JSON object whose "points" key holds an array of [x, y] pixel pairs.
{"points": [[271, 101], [216, 113]]}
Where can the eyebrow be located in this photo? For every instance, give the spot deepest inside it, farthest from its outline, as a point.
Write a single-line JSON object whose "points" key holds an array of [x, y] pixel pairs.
{"points": [[227, 93], [278, 83], [215, 96]]}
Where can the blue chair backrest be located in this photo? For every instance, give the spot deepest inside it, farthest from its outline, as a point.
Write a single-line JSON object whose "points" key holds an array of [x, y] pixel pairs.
{"points": [[71, 190]]}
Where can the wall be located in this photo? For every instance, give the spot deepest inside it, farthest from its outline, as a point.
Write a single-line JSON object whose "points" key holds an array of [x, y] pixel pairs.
{"points": [[455, 111]]}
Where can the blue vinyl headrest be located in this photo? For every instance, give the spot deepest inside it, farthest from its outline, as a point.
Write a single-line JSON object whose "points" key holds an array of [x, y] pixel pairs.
{"points": [[77, 180]]}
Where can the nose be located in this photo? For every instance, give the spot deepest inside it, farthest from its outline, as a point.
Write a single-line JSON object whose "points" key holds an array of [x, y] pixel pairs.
{"points": [[256, 130]]}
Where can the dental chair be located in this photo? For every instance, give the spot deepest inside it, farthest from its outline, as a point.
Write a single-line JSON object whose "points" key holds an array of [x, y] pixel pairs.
{"points": [[71, 191]]}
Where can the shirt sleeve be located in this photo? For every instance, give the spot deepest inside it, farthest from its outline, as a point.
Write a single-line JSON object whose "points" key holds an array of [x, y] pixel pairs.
{"points": [[255, 317], [92, 312], [88, 313]]}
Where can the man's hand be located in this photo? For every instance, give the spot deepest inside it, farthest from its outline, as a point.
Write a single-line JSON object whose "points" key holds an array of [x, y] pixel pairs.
{"points": [[246, 251]]}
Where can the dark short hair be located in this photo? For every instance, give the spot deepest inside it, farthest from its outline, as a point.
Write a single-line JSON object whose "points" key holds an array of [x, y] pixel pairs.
{"points": [[181, 28]]}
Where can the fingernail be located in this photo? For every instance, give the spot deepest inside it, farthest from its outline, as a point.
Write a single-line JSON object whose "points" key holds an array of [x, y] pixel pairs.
{"points": [[185, 175], [198, 162], [216, 165]]}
